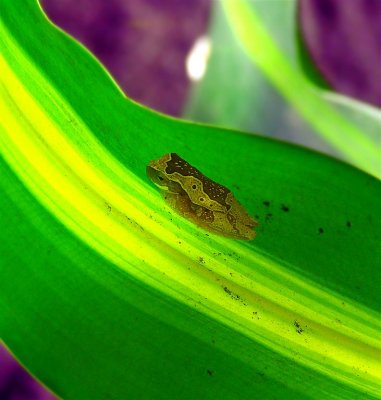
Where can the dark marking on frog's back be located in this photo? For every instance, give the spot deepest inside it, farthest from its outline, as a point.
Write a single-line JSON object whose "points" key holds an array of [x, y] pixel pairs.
{"points": [[213, 189]]}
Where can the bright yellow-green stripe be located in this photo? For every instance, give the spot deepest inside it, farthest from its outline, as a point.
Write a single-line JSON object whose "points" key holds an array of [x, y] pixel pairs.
{"points": [[264, 52], [49, 166], [74, 189]]}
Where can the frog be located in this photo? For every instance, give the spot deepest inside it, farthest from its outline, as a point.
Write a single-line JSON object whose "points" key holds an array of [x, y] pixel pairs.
{"points": [[199, 199]]}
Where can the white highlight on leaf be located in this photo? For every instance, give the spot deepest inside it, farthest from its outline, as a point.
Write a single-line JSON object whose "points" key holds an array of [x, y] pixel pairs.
{"points": [[197, 58]]}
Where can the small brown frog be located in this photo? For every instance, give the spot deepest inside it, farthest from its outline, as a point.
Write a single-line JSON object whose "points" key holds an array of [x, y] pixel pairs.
{"points": [[199, 199]]}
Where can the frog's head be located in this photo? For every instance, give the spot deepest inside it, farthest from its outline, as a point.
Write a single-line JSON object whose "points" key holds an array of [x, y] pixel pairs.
{"points": [[157, 177], [156, 171]]}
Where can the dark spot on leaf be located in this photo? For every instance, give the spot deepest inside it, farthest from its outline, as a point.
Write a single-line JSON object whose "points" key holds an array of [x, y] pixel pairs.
{"points": [[210, 372], [108, 208], [285, 208], [268, 216], [299, 329], [321, 230], [160, 178], [227, 290], [266, 203], [349, 224]]}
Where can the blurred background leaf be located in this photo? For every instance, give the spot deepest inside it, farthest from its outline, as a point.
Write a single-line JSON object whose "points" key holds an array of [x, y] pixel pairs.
{"points": [[254, 82]]}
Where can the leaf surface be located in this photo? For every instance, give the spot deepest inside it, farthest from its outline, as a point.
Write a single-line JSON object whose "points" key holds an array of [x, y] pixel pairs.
{"points": [[106, 293]]}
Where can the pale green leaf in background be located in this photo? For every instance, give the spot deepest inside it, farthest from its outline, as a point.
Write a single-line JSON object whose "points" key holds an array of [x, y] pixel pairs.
{"points": [[255, 82]]}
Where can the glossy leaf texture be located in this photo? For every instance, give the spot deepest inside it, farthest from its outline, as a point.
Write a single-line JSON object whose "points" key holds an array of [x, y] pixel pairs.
{"points": [[260, 79], [106, 293]]}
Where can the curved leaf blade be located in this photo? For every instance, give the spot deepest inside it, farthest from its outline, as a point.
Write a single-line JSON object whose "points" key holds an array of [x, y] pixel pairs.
{"points": [[102, 286]]}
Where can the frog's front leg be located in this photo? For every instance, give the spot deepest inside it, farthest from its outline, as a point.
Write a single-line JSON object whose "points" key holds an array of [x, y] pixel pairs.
{"points": [[180, 203]]}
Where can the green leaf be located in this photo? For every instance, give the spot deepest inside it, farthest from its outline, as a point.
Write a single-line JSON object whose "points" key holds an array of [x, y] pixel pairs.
{"points": [[105, 293], [255, 81]]}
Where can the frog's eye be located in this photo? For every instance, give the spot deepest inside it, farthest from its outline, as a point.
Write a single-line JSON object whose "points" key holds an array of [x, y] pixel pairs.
{"points": [[194, 186]]}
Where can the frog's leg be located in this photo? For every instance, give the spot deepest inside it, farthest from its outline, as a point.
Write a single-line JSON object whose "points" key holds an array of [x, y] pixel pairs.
{"points": [[180, 203], [200, 216]]}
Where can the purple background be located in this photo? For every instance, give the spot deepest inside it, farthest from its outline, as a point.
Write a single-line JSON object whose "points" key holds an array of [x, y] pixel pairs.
{"points": [[144, 44], [344, 39], [16, 383]]}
